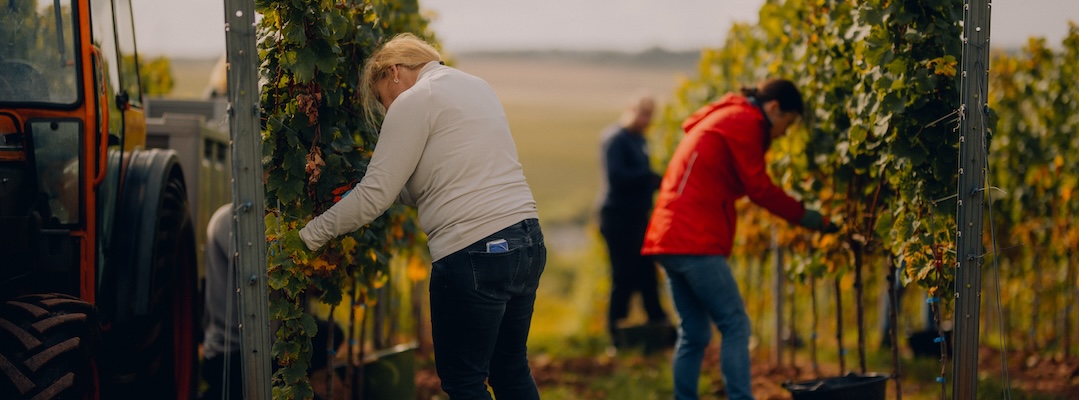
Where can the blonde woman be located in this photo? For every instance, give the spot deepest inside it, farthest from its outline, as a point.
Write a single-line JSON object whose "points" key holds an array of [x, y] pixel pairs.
{"points": [[445, 147]]}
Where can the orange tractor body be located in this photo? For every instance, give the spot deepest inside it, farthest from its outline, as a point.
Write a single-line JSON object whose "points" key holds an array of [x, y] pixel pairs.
{"points": [[98, 272]]}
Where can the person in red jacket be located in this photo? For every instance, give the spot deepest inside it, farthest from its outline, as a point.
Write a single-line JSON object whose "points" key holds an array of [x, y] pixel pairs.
{"points": [[719, 161]]}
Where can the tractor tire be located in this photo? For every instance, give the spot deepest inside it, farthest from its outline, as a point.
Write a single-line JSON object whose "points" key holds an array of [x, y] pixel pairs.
{"points": [[47, 343], [155, 355]]}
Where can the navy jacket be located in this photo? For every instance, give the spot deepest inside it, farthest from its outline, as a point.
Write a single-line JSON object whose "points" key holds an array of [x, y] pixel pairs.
{"points": [[630, 181]]}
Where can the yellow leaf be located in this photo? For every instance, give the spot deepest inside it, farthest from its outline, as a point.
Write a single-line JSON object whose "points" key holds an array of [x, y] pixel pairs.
{"points": [[320, 264], [299, 256], [944, 65], [348, 244], [380, 280], [417, 269], [846, 282]]}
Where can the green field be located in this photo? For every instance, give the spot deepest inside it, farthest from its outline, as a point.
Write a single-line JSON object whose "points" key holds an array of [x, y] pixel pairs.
{"points": [[191, 77]]}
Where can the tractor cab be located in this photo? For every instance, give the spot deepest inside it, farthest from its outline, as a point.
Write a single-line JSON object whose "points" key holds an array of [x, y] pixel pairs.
{"points": [[70, 101], [95, 230]]}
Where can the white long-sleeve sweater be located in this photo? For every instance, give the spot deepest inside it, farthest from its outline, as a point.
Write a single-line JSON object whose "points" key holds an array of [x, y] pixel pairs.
{"points": [[445, 147]]}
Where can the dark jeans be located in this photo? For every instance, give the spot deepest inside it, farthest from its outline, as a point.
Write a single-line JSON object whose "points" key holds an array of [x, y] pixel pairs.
{"points": [[630, 271], [481, 311]]}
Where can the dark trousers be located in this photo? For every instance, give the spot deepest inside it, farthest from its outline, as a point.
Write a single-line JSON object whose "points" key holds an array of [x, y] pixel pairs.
{"points": [[630, 271], [481, 311], [222, 386]]}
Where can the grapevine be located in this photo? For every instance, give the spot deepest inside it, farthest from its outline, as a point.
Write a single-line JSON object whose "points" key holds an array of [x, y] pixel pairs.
{"points": [[314, 141]]}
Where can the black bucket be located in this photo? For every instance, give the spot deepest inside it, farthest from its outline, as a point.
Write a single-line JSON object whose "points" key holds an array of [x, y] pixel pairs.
{"points": [[852, 387], [649, 338]]}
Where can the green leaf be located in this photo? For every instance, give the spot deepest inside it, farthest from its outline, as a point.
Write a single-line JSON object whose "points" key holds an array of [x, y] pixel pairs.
{"points": [[285, 348], [871, 15], [303, 66], [894, 103], [309, 327], [923, 81], [857, 134], [286, 190], [294, 373], [294, 34], [913, 35], [898, 66], [278, 280], [339, 25], [325, 56], [288, 59], [292, 244], [342, 142], [331, 292], [282, 309]]}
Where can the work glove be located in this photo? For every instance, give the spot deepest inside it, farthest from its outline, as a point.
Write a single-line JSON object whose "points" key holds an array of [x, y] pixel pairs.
{"points": [[814, 220]]}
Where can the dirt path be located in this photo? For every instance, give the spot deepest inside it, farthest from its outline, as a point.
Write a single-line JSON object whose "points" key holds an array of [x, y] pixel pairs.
{"points": [[1046, 377]]}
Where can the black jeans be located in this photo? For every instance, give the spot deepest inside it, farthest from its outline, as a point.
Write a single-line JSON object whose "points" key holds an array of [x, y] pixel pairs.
{"points": [[630, 271], [481, 311]]}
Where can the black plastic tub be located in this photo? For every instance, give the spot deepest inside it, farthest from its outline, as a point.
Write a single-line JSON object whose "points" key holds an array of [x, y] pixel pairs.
{"points": [[850, 387]]}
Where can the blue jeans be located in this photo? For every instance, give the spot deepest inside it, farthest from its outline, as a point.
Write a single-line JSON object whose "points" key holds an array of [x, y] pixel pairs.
{"points": [[481, 311], [705, 292]]}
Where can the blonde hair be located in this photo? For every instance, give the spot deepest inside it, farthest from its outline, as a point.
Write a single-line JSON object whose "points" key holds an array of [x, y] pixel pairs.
{"points": [[404, 49]]}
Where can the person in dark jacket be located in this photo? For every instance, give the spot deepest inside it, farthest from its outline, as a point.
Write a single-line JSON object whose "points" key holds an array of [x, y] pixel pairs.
{"points": [[719, 161], [630, 185]]}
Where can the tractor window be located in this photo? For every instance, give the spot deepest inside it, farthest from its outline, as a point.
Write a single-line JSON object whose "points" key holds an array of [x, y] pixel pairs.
{"points": [[125, 38], [56, 153], [37, 52], [104, 36]]}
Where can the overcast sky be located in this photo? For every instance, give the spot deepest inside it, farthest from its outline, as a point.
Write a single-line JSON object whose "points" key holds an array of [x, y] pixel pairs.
{"points": [[195, 28]]}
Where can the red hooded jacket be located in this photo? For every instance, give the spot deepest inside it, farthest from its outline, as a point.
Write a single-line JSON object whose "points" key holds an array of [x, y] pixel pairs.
{"points": [[720, 160]]}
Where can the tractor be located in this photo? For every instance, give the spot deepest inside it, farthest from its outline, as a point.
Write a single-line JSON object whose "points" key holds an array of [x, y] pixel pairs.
{"points": [[98, 282]]}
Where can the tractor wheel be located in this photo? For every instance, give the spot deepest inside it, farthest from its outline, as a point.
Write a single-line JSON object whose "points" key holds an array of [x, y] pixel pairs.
{"points": [[154, 355], [47, 343]]}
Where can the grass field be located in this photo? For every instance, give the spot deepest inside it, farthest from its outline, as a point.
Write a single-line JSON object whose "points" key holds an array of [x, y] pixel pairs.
{"points": [[190, 76]]}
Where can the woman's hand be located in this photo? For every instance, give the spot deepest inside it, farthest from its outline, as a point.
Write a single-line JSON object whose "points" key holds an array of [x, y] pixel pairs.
{"points": [[814, 220]]}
